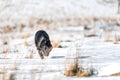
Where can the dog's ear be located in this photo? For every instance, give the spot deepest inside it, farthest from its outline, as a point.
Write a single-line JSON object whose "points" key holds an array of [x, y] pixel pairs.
{"points": [[47, 51]]}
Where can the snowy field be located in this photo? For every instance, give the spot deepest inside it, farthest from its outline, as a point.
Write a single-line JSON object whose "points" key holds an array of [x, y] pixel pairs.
{"points": [[24, 62], [94, 25]]}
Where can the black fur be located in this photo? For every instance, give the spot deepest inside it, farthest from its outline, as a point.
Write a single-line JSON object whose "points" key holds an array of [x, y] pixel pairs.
{"points": [[43, 43]]}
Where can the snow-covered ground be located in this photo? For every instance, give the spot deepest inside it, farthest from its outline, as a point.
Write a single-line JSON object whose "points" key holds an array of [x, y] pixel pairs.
{"points": [[23, 60]]}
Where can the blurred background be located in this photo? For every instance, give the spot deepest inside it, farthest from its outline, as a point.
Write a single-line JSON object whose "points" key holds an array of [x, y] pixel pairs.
{"points": [[17, 15]]}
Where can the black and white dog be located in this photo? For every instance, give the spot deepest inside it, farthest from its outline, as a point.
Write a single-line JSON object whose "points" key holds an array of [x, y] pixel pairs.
{"points": [[43, 44]]}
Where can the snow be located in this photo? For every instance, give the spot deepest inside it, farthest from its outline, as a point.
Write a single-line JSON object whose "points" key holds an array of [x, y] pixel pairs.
{"points": [[94, 51], [99, 52], [109, 69]]}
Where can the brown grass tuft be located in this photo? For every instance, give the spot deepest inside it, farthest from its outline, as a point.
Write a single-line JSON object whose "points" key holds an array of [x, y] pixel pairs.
{"points": [[7, 29], [116, 39], [2, 72], [25, 43], [56, 44], [69, 73], [71, 70], [116, 74], [73, 67], [74, 70], [82, 73]]}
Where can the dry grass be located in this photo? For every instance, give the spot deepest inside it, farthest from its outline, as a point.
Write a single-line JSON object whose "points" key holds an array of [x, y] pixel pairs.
{"points": [[50, 23], [116, 39], [7, 29], [83, 74], [2, 72], [74, 67], [116, 74], [25, 43], [69, 73], [72, 70], [56, 43], [75, 71], [107, 36]]}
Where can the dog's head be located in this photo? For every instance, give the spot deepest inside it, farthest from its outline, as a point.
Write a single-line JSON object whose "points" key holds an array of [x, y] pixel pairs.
{"points": [[43, 43]]}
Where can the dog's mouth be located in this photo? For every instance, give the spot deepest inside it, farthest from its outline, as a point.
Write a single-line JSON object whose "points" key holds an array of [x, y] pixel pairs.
{"points": [[47, 50], [44, 51]]}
